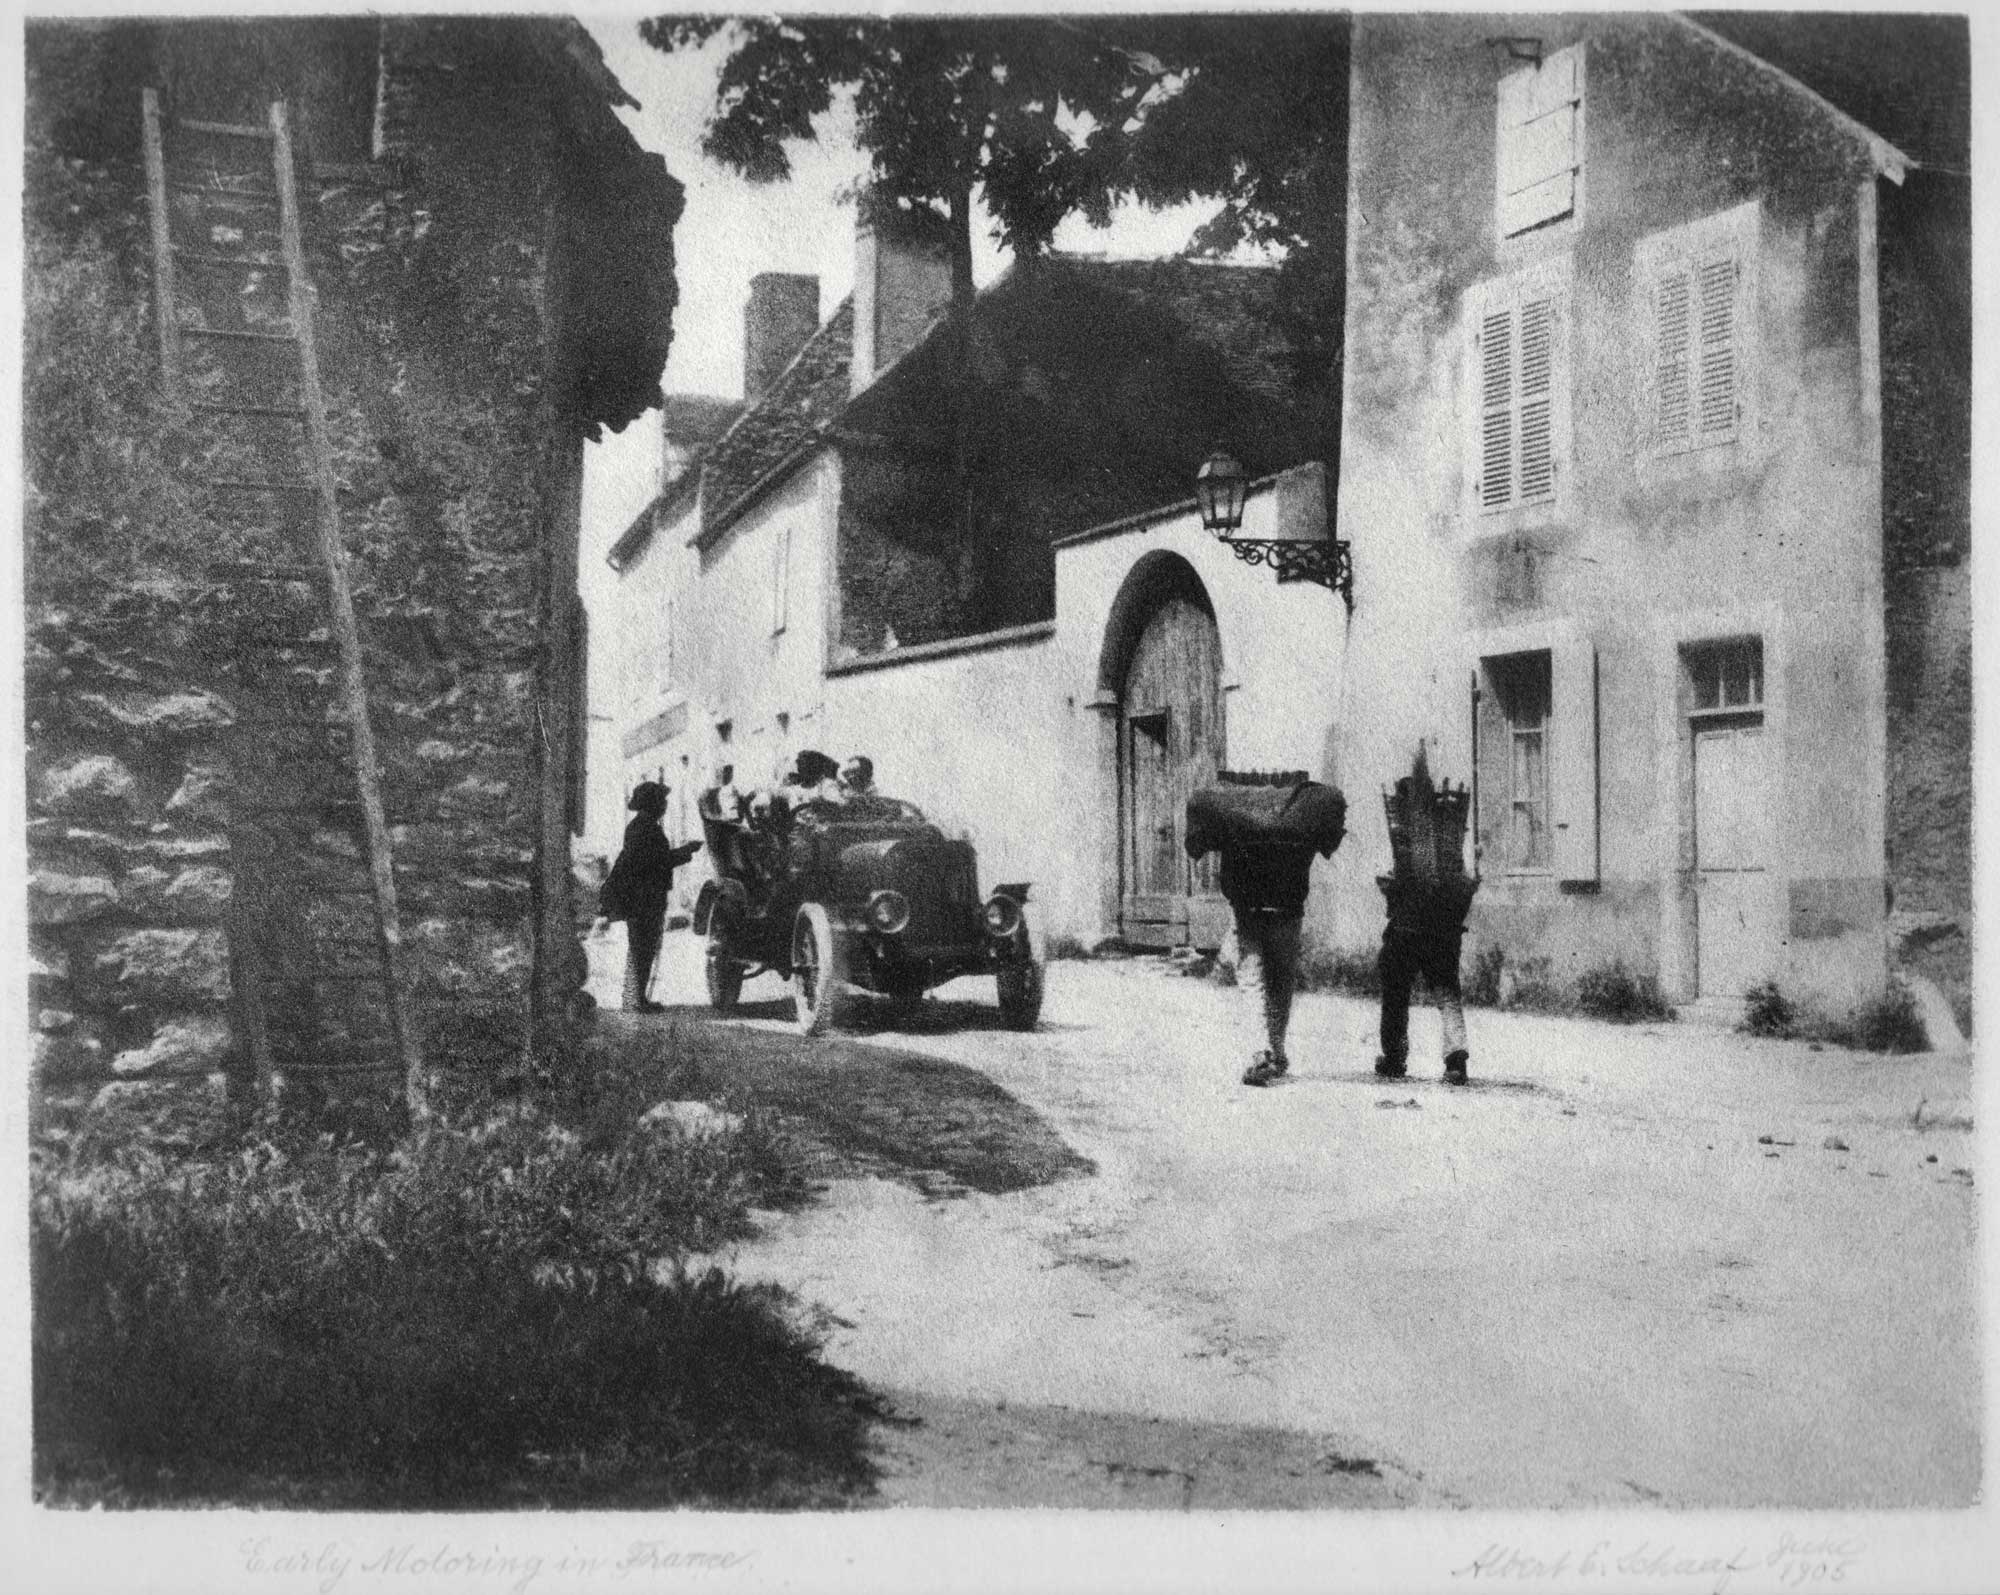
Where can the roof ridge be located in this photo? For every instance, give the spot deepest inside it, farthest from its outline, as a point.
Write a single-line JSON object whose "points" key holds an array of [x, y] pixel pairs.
{"points": [[1890, 161]]}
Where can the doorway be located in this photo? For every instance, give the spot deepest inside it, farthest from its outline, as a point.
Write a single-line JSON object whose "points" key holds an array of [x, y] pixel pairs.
{"points": [[1170, 743], [1736, 931]]}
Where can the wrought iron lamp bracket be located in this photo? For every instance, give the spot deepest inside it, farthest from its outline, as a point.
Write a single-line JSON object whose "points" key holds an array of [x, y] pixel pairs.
{"points": [[1330, 563]]}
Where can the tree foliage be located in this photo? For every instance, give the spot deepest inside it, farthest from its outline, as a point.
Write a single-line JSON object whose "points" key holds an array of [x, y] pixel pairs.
{"points": [[1030, 113], [1048, 117]]}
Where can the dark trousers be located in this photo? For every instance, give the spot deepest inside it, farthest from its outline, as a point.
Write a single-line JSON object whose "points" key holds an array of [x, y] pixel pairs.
{"points": [[642, 947], [1406, 955]]}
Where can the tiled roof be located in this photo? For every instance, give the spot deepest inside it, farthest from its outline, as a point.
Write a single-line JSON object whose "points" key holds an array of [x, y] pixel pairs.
{"points": [[783, 422], [1131, 360]]}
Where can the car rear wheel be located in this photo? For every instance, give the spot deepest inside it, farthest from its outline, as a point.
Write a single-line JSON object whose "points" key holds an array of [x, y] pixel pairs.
{"points": [[1021, 993], [725, 976], [819, 976]]}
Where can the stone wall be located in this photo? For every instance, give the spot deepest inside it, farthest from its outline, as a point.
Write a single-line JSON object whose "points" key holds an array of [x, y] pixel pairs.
{"points": [[452, 279], [129, 880]]}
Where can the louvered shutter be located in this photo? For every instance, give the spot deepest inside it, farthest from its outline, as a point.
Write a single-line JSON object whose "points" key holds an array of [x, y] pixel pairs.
{"points": [[1494, 485], [1518, 373], [1719, 357], [1536, 473], [1673, 363]]}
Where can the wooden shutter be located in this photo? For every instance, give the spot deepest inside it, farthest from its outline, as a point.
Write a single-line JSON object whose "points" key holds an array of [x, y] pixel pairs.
{"points": [[1520, 425], [1493, 467], [1573, 760], [1539, 146], [1695, 297], [1719, 357]]}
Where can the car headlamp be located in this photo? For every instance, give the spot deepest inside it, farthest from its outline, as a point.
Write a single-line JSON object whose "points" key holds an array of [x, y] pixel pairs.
{"points": [[888, 912], [1003, 916]]}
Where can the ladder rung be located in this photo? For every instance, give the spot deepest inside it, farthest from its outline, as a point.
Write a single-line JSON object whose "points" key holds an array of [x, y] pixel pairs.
{"points": [[228, 332], [315, 1070], [290, 412], [224, 129], [263, 196], [234, 262], [261, 571], [230, 485]]}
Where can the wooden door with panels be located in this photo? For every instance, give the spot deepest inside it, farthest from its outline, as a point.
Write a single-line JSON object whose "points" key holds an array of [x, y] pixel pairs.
{"points": [[1736, 928], [1170, 743]]}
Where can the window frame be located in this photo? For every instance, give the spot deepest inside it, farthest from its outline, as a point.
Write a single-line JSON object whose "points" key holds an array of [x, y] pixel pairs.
{"points": [[1509, 677], [781, 580]]}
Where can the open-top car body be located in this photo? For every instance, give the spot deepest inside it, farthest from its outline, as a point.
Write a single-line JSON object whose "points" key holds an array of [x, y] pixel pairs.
{"points": [[865, 893]]}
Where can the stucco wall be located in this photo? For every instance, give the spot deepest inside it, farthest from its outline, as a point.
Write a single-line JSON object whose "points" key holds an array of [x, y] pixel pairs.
{"points": [[1777, 534]]}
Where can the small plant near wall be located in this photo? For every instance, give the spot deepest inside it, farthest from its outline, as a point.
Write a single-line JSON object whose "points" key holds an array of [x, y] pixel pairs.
{"points": [[1481, 986], [1767, 1011], [1891, 1023], [1613, 992]]}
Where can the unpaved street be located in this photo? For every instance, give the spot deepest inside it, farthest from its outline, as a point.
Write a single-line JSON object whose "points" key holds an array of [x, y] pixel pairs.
{"points": [[1589, 1279]]}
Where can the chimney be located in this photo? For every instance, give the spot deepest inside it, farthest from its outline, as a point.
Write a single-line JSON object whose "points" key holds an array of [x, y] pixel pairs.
{"points": [[781, 315], [901, 285]]}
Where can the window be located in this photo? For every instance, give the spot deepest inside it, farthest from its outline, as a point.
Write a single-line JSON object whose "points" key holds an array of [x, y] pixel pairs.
{"points": [[1694, 285], [781, 572], [1518, 441], [1726, 677], [1535, 754], [1521, 689], [1540, 146]]}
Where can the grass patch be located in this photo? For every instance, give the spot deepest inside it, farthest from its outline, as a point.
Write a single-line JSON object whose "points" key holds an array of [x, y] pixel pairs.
{"points": [[503, 1309]]}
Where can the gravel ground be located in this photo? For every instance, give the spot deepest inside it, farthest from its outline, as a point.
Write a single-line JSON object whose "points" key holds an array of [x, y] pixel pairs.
{"points": [[1657, 1265]]}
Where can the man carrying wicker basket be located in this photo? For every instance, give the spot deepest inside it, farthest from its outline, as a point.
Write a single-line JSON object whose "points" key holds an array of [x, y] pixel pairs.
{"points": [[1428, 895]]}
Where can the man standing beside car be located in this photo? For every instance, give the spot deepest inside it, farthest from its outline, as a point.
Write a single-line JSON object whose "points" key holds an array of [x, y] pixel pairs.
{"points": [[637, 889]]}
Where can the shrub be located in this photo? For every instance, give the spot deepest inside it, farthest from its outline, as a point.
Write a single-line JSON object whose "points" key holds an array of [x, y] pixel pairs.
{"points": [[1530, 985], [1767, 1011], [1065, 946], [1889, 1024], [489, 1312], [1613, 992]]}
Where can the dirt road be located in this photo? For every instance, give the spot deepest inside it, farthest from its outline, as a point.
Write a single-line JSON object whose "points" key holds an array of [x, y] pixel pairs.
{"points": [[1664, 1265]]}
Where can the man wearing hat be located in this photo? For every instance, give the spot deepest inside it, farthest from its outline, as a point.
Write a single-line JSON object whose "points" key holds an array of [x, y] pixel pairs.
{"points": [[637, 888]]}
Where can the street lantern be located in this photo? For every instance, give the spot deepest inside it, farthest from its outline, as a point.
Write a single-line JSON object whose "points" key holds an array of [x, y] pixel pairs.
{"points": [[1220, 488]]}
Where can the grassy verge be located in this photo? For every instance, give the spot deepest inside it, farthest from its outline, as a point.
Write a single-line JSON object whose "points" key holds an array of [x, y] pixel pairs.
{"points": [[506, 1309]]}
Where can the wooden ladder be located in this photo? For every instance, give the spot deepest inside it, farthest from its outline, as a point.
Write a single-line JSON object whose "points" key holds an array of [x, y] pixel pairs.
{"points": [[271, 451]]}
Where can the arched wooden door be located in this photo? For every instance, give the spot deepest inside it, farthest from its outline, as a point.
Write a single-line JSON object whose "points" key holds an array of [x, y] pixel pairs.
{"points": [[1170, 742]]}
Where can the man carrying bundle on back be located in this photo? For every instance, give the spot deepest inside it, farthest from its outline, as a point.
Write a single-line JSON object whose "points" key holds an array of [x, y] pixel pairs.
{"points": [[1429, 895], [1267, 826]]}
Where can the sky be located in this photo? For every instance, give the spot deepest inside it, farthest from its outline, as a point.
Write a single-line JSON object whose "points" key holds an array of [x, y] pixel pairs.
{"points": [[733, 229]]}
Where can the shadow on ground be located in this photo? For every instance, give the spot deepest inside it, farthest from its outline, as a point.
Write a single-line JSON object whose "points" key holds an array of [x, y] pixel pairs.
{"points": [[852, 1108]]}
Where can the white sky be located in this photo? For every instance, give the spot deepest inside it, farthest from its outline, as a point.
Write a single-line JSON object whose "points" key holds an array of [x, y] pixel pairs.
{"points": [[732, 230]]}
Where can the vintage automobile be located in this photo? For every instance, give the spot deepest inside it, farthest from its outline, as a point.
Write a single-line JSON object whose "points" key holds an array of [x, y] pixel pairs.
{"points": [[867, 894]]}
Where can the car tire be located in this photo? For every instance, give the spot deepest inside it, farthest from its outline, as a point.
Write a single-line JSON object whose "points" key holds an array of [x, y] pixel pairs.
{"points": [[1020, 991], [819, 971], [725, 976]]}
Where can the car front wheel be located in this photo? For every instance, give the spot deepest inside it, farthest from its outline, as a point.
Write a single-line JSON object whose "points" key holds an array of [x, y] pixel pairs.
{"points": [[725, 976], [818, 974], [1021, 993]]}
